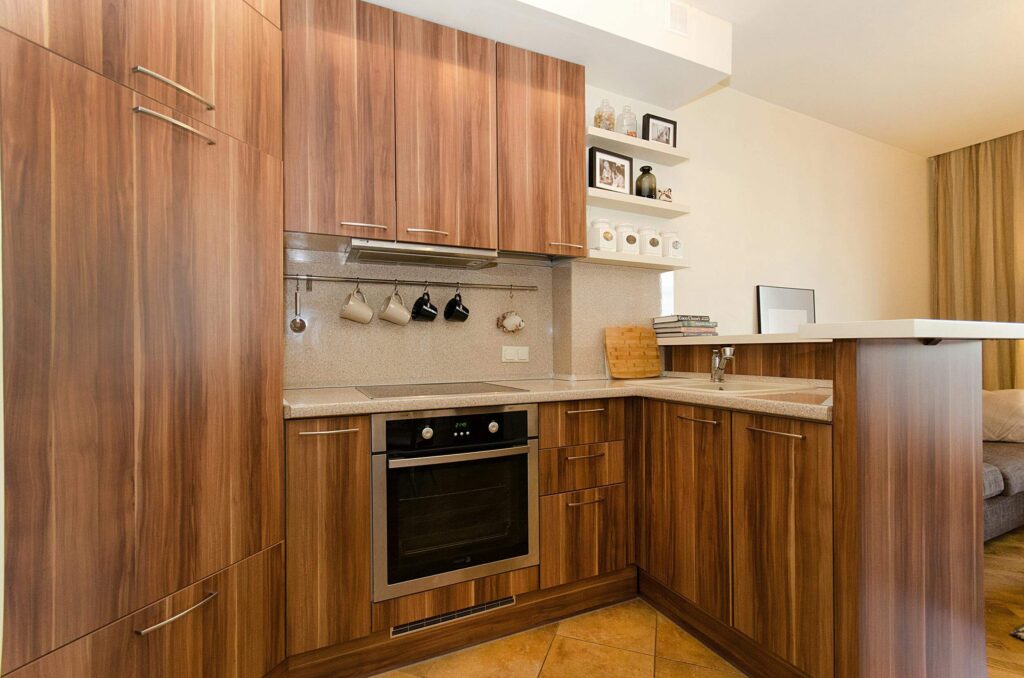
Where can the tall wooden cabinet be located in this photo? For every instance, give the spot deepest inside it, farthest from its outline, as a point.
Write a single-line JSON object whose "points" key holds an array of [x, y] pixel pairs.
{"points": [[541, 159], [142, 350], [688, 508]]}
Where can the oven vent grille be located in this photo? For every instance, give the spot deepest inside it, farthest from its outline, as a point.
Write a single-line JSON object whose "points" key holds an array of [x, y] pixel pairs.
{"points": [[421, 624]]}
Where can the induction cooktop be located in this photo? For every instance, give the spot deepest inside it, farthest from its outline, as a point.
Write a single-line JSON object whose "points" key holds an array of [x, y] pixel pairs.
{"points": [[427, 390]]}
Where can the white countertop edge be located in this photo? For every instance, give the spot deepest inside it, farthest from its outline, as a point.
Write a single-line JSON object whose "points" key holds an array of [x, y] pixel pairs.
{"points": [[733, 339]]}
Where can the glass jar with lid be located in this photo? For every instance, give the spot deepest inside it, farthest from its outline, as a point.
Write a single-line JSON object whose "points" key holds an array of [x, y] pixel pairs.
{"points": [[627, 122]]}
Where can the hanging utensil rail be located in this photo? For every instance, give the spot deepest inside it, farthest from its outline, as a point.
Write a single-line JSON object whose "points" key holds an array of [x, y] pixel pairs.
{"points": [[310, 279]]}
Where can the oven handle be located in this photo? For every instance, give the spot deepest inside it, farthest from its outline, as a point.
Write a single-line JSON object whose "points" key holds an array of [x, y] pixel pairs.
{"points": [[462, 456]]}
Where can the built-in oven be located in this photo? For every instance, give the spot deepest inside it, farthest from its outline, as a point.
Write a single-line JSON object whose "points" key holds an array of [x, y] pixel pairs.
{"points": [[454, 496]]}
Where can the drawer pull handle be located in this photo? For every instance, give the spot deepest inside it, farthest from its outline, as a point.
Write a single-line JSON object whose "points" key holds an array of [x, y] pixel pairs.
{"points": [[178, 86], [596, 409], [585, 456], [176, 123], [699, 421], [566, 244], [328, 433], [209, 596], [426, 230], [574, 504], [359, 224], [797, 436]]}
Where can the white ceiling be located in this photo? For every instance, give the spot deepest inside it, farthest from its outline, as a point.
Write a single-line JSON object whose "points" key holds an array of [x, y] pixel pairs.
{"points": [[925, 75]]}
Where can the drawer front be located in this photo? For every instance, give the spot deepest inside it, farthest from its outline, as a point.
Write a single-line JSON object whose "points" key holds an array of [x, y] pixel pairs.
{"points": [[581, 422], [564, 469], [582, 534], [230, 625]]}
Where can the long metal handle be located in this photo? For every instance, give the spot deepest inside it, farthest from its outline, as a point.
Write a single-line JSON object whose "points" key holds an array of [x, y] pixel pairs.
{"points": [[699, 421], [596, 409], [178, 86], [574, 504], [459, 457], [585, 456], [775, 433], [209, 596], [359, 224], [426, 230], [566, 244], [176, 123], [328, 433]]}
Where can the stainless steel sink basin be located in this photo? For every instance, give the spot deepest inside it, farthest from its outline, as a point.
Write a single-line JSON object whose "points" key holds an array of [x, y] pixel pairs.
{"points": [[735, 387]]}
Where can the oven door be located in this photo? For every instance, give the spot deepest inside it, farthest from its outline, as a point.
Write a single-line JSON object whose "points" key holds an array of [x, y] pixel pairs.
{"points": [[444, 519]]}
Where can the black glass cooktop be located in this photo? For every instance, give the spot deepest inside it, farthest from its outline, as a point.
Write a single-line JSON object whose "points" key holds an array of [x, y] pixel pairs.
{"points": [[426, 390]]}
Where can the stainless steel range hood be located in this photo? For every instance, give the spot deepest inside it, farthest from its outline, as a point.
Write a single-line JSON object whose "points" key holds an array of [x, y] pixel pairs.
{"points": [[364, 251]]}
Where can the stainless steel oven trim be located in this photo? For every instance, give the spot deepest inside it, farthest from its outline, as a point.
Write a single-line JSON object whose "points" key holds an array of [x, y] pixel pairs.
{"points": [[455, 458], [378, 422], [383, 591]]}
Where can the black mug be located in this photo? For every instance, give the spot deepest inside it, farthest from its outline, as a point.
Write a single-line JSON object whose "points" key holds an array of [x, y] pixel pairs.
{"points": [[424, 310], [455, 310]]}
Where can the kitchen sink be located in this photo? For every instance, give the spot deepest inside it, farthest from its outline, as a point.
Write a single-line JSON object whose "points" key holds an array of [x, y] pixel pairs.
{"points": [[737, 387]]}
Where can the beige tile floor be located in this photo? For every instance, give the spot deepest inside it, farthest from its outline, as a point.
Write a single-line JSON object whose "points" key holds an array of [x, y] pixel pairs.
{"points": [[630, 640]]}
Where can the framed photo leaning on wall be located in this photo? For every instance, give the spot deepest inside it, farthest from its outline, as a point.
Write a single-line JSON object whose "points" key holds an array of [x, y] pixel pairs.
{"points": [[659, 130]]}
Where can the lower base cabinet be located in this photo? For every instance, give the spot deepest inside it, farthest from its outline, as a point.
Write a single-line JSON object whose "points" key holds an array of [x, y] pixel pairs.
{"points": [[582, 534], [229, 625]]}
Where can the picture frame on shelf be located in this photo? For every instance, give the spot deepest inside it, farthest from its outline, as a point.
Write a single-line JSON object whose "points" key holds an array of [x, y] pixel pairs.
{"points": [[610, 171], [659, 130]]}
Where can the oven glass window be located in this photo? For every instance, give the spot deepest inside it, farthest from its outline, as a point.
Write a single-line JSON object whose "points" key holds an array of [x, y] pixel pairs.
{"points": [[446, 517]]}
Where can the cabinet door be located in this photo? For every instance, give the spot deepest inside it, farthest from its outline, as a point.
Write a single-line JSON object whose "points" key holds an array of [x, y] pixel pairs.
{"points": [[688, 504], [782, 538], [328, 531], [581, 422], [582, 534], [445, 129], [541, 159], [339, 118]]}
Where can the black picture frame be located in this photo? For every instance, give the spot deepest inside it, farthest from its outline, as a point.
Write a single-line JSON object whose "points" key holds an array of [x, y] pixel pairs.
{"points": [[592, 178], [795, 298], [647, 128]]}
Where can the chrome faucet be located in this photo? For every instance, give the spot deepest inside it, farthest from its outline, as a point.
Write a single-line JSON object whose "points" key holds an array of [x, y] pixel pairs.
{"points": [[718, 362]]}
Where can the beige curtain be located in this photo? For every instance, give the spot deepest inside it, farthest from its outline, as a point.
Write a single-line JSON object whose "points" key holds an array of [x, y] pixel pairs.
{"points": [[978, 216]]}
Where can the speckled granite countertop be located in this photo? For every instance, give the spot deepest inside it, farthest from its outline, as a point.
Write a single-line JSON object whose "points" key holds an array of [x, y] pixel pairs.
{"points": [[801, 398]]}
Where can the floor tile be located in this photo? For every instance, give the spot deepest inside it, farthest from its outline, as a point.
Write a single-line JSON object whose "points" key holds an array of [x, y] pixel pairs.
{"points": [[571, 658], [518, 656], [666, 668], [627, 626], [680, 646]]}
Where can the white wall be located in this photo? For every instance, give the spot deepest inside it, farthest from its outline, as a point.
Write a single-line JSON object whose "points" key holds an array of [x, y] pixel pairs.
{"points": [[779, 198]]}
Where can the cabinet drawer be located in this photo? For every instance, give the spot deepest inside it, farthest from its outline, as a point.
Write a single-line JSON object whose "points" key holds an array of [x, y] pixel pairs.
{"points": [[581, 422], [563, 469], [582, 534], [230, 625]]}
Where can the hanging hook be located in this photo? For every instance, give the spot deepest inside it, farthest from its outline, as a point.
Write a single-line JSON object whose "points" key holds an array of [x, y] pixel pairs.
{"points": [[458, 287], [396, 287], [357, 286], [426, 284]]}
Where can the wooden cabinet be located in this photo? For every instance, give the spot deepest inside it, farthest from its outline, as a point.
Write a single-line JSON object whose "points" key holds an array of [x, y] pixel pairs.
{"points": [[688, 509], [541, 154], [142, 340], [271, 9], [339, 118], [445, 135], [230, 625], [581, 422], [582, 534], [328, 532], [782, 538], [563, 469]]}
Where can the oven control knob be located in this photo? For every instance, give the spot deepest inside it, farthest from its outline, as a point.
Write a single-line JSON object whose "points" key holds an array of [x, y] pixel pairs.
{"points": [[427, 433], [493, 427]]}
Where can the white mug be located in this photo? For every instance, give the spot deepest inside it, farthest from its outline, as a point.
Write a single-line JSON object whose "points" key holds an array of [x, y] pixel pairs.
{"points": [[394, 310], [356, 309]]}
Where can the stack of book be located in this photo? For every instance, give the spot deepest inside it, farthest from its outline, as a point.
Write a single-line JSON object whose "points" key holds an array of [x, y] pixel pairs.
{"points": [[685, 326]]}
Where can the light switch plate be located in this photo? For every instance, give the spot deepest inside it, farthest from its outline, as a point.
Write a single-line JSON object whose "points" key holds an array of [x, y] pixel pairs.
{"points": [[523, 354], [509, 354]]}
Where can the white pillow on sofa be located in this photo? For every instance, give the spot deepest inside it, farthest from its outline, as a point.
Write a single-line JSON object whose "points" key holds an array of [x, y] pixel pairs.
{"points": [[1003, 415]]}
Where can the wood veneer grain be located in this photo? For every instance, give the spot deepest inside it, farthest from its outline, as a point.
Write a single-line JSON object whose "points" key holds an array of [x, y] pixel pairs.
{"points": [[582, 534], [580, 422], [563, 469], [798, 361]]}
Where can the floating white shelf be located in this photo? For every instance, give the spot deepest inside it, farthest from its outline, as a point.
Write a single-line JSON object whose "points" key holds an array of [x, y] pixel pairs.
{"points": [[598, 197], [634, 260], [634, 147]]}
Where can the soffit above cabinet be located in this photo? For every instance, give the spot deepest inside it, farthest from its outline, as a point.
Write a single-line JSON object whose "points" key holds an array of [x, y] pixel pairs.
{"points": [[659, 51]]}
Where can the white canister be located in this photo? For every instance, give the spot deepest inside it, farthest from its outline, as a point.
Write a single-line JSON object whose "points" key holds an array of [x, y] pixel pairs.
{"points": [[671, 245], [627, 238], [650, 242], [602, 235]]}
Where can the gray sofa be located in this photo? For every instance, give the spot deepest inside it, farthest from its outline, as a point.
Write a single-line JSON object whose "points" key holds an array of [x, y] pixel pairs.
{"points": [[1003, 474]]}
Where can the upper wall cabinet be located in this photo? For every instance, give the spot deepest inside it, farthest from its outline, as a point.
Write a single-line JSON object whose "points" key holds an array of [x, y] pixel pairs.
{"points": [[541, 159], [446, 138], [339, 118]]}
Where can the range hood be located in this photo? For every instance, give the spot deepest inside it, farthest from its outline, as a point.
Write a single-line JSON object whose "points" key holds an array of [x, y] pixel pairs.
{"points": [[365, 251]]}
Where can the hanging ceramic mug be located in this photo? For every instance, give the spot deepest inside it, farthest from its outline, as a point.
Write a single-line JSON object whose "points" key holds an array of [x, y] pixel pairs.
{"points": [[394, 310], [455, 310], [355, 307], [422, 309]]}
